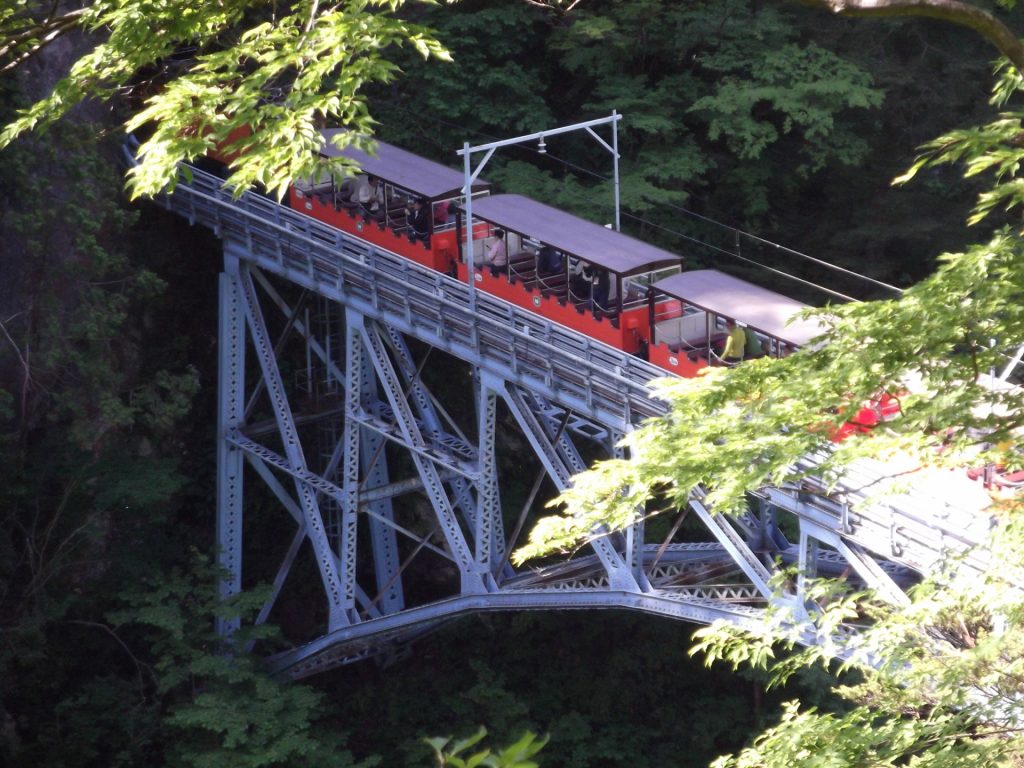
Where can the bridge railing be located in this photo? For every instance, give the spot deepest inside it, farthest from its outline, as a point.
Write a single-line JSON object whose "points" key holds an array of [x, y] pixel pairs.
{"points": [[572, 370]]}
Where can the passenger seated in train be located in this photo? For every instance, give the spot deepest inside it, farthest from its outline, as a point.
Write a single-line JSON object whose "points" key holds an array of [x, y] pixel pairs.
{"points": [[348, 189], [441, 211], [365, 192], [418, 219], [579, 284], [600, 286], [549, 261], [753, 349]]}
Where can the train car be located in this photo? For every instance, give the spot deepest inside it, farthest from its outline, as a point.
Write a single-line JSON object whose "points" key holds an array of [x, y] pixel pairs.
{"points": [[403, 178], [688, 313], [607, 285], [575, 272]]}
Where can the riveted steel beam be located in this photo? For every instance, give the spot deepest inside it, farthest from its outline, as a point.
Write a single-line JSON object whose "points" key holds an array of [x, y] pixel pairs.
{"points": [[230, 416]]}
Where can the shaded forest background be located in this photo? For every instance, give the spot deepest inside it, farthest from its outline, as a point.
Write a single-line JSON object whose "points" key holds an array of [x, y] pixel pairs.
{"points": [[768, 117]]}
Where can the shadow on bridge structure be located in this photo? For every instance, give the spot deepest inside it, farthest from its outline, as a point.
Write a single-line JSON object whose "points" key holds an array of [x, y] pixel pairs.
{"points": [[387, 423]]}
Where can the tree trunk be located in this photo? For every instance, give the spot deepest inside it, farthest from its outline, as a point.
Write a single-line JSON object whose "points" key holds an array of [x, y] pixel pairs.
{"points": [[953, 11]]}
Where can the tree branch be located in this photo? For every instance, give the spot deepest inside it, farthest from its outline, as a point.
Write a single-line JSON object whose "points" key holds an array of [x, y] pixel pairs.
{"points": [[953, 11], [140, 666], [43, 33]]}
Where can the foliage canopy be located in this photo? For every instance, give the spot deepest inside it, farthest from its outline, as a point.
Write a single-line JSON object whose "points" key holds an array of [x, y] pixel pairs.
{"points": [[257, 76], [941, 680]]}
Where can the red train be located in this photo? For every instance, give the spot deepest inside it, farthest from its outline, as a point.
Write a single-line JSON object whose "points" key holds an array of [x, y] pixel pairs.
{"points": [[609, 286]]}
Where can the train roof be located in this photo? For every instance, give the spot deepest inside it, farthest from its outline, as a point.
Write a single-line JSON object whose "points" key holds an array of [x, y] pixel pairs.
{"points": [[595, 244], [404, 169], [728, 296]]}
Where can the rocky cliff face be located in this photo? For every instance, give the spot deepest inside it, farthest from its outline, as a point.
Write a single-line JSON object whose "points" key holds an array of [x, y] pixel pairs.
{"points": [[42, 180]]}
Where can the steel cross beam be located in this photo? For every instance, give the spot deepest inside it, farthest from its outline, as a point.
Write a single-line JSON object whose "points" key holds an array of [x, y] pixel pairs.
{"points": [[314, 481], [427, 409], [298, 326], [561, 459], [292, 446], [736, 546], [470, 575]]}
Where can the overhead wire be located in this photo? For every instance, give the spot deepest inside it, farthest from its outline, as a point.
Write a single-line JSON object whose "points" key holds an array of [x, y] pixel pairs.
{"points": [[740, 257], [735, 231]]}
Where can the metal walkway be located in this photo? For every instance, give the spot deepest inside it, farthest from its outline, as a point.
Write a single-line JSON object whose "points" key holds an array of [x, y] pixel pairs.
{"points": [[378, 318]]}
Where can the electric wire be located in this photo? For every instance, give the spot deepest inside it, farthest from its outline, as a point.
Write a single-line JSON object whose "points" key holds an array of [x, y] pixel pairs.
{"points": [[779, 272], [726, 227]]}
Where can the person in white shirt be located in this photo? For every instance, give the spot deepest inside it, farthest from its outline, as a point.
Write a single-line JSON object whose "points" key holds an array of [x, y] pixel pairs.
{"points": [[368, 194]]}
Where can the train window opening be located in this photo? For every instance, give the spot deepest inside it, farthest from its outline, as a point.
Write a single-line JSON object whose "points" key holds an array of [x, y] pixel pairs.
{"points": [[646, 279], [682, 327], [320, 185], [636, 287], [442, 213]]}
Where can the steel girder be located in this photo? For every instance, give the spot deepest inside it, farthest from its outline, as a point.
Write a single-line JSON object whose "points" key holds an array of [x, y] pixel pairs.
{"points": [[345, 645]]}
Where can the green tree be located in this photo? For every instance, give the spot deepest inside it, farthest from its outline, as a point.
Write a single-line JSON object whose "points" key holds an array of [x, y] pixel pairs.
{"points": [[449, 752], [942, 681], [218, 708], [89, 453], [260, 76]]}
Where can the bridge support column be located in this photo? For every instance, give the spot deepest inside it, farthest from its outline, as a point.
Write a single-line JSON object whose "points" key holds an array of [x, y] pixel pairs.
{"points": [[383, 539], [230, 416], [807, 565], [633, 547], [355, 373], [488, 502], [294, 455], [365, 451]]}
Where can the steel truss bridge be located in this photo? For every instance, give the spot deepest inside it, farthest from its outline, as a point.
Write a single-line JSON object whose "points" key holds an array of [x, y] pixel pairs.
{"points": [[327, 350]]}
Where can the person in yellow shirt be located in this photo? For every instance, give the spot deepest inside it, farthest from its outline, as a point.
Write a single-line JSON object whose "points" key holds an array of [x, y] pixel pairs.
{"points": [[735, 343]]}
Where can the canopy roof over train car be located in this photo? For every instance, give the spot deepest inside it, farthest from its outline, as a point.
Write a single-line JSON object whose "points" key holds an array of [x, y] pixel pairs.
{"points": [[728, 296], [595, 244], [404, 169]]}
